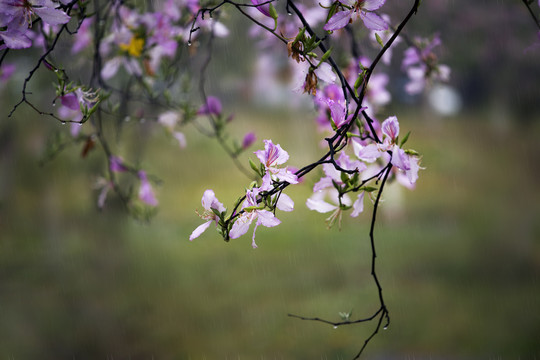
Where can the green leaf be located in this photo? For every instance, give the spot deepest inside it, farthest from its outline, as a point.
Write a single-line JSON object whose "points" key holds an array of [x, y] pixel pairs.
{"points": [[251, 208], [351, 135], [300, 35], [412, 152], [326, 55], [336, 185], [368, 188], [344, 177], [359, 81], [379, 40], [216, 212], [354, 180], [254, 166], [272, 11], [345, 316], [405, 139]]}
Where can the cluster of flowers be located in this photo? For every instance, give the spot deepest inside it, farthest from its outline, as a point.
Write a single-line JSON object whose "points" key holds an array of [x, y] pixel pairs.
{"points": [[365, 158], [350, 174], [135, 42], [17, 16], [419, 62], [138, 44], [253, 207]]}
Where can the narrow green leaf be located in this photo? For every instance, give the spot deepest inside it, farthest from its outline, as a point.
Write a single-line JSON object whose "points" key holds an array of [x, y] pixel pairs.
{"points": [[272, 11], [253, 166], [344, 177], [412, 152], [368, 188], [405, 138], [326, 55], [359, 81], [379, 40], [216, 212]]}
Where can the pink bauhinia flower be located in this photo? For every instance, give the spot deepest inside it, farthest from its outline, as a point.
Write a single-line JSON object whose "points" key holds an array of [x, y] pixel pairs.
{"points": [[272, 157], [111, 67], [83, 37], [252, 211], [6, 71], [306, 78], [318, 203], [103, 185], [168, 120], [422, 65], [73, 104], [209, 201], [16, 17], [370, 152], [363, 10], [390, 129], [402, 160], [248, 140], [338, 112], [146, 193], [212, 106], [421, 75], [264, 8], [116, 164], [25, 9], [406, 162], [333, 176], [15, 35]]}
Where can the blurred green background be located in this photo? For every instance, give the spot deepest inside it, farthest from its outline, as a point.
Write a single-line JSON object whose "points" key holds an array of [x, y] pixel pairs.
{"points": [[459, 256]]}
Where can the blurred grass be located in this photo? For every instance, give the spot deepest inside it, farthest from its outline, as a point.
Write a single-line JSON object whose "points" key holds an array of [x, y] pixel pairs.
{"points": [[459, 257]]}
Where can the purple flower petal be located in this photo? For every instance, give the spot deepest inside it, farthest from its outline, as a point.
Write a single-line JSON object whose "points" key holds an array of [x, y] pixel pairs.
{"points": [[325, 73], [400, 159], [116, 164], [51, 16], [390, 127], [248, 140], [264, 9], [83, 37], [199, 230], [368, 153], [209, 201], [146, 193], [168, 119], [110, 68], [70, 101], [339, 20], [337, 112], [371, 5], [6, 71], [212, 106], [16, 39], [323, 183], [286, 175], [181, 138], [358, 205], [373, 21], [272, 155], [412, 173], [319, 205], [241, 226], [267, 218], [285, 203]]}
